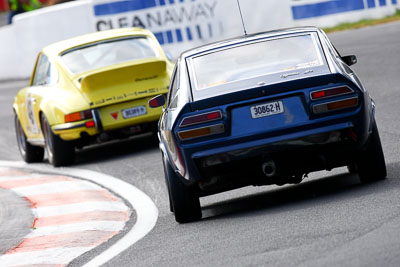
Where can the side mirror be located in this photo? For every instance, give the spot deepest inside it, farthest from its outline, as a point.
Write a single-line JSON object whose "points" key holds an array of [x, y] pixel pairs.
{"points": [[350, 60], [157, 101]]}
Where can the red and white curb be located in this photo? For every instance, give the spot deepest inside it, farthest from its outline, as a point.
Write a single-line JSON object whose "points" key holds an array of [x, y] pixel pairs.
{"points": [[73, 216]]}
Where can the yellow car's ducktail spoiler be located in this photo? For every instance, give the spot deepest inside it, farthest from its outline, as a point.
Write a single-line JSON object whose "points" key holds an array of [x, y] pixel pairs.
{"points": [[123, 75]]}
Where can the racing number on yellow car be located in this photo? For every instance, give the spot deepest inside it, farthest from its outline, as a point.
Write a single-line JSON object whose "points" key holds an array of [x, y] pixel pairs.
{"points": [[30, 101]]}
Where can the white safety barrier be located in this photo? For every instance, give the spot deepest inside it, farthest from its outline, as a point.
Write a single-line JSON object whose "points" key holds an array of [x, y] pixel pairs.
{"points": [[178, 24], [30, 32]]}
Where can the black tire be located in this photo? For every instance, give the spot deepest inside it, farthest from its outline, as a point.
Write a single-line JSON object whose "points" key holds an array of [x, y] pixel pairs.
{"points": [[184, 200], [29, 153], [171, 207], [352, 168], [59, 152], [371, 164]]}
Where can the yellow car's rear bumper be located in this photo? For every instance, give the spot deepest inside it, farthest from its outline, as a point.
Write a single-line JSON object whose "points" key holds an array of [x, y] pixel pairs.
{"points": [[109, 118], [73, 131]]}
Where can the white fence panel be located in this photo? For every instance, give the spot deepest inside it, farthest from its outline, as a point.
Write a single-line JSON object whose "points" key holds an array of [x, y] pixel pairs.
{"points": [[178, 24]]}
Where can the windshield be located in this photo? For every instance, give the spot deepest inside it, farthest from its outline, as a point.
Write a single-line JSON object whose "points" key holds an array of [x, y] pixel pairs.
{"points": [[108, 53], [256, 59]]}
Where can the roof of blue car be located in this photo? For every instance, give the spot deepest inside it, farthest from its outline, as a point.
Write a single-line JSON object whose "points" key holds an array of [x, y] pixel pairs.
{"points": [[241, 38]]}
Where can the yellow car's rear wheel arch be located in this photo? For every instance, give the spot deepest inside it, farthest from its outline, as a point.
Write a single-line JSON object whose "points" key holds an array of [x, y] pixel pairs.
{"points": [[29, 152], [59, 152]]}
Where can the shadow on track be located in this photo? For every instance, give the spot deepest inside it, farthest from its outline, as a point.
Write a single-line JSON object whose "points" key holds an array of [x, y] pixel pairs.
{"points": [[116, 149], [323, 189]]}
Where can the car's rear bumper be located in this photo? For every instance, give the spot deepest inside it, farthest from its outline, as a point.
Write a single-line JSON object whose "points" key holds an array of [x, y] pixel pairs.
{"points": [[291, 159], [73, 130], [299, 150], [79, 131], [110, 118]]}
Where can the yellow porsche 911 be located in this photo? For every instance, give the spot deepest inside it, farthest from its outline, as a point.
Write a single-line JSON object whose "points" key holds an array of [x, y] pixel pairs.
{"points": [[88, 89]]}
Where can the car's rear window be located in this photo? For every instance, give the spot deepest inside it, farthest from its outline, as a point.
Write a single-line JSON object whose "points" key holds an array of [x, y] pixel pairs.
{"points": [[107, 53], [259, 58]]}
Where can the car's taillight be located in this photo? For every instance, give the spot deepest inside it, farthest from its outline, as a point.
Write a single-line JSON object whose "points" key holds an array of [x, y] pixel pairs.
{"points": [[90, 124], [78, 116], [204, 130], [201, 118], [335, 105], [331, 92], [201, 132]]}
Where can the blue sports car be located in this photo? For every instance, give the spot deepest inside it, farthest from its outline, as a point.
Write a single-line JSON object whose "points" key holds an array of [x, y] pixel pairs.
{"points": [[263, 109]]}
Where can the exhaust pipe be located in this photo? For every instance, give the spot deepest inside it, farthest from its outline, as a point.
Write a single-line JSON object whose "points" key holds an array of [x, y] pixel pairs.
{"points": [[269, 168]]}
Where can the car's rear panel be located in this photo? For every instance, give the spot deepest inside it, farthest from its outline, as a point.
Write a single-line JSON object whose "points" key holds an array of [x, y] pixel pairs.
{"points": [[293, 113], [246, 142], [127, 113]]}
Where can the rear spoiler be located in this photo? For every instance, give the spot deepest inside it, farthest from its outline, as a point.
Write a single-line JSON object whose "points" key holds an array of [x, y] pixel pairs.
{"points": [[122, 75]]}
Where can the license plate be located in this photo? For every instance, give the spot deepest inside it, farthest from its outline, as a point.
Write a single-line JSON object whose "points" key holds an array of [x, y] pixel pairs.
{"points": [[134, 112], [266, 109]]}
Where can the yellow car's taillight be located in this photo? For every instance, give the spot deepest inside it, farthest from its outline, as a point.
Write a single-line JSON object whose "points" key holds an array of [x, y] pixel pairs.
{"points": [[78, 116], [90, 124]]}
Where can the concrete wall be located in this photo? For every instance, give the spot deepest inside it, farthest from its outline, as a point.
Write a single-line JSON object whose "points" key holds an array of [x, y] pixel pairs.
{"points": [[178, 24]]}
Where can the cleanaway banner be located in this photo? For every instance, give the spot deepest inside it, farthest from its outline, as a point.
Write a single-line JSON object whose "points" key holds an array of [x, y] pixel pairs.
{"points": [[182, 24], [177, 24]]}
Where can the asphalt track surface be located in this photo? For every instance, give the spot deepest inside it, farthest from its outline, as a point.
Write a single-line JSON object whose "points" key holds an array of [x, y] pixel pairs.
{"points": [[72, 216], [328, 220], [16, 219]]}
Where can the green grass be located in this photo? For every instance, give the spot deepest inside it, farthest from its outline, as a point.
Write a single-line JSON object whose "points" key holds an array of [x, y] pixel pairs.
{"points": [[364, 23]]}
